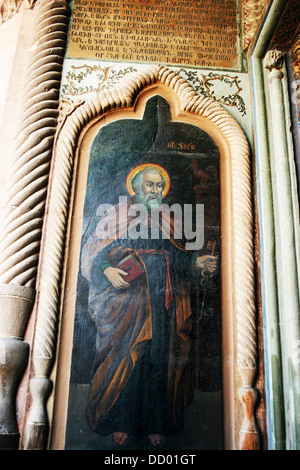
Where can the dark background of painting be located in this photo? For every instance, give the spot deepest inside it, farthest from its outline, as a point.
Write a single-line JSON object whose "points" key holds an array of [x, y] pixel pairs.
{"points": [[183, 150]]}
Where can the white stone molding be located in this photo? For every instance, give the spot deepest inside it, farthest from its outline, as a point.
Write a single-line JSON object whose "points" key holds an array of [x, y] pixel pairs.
{"points": [[56, 222], [25, 195], [287, 229]]}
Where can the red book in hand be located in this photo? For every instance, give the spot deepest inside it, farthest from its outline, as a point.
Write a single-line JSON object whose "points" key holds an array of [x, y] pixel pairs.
{"points": [[132, 267]]}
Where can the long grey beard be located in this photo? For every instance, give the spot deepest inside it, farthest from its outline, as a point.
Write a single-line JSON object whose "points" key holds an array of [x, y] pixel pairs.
{"points": [[147, 200]]}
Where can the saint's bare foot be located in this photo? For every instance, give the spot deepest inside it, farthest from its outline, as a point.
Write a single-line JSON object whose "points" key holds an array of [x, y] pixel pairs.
{"points": [[120, 438], [156, 439]]}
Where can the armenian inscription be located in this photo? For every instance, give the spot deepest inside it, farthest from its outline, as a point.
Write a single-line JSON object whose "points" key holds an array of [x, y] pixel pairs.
{"points": [[191, 32]]}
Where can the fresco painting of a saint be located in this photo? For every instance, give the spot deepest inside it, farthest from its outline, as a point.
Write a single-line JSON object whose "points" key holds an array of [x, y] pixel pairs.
{"points": [[141, 288]]}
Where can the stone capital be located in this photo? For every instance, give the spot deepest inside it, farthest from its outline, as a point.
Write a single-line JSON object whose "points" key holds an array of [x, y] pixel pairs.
{"points": [[274, 60]]}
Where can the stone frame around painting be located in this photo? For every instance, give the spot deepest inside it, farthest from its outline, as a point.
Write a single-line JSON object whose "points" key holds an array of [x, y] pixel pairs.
{"points": [[57, 281]]}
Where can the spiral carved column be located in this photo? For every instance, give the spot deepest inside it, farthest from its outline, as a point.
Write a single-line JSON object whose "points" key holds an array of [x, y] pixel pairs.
{"points": [[24, 204]]}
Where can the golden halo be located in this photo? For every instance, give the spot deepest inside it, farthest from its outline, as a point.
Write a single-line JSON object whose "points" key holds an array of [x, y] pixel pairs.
{"points": [[148, 166]]}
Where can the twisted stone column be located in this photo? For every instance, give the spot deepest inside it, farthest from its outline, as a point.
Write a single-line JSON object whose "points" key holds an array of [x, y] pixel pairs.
{"points": [[25, 199]]}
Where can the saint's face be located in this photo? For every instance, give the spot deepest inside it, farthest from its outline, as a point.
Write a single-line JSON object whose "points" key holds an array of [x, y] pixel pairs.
{"points": [[151, 189], [152, 184]]}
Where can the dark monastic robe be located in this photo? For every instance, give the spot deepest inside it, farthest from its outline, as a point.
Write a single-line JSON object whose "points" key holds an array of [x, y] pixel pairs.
{"points": [[141, 370]]}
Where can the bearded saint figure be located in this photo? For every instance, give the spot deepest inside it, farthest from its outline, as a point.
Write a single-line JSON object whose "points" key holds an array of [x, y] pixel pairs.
{"points": [[141, 374]]}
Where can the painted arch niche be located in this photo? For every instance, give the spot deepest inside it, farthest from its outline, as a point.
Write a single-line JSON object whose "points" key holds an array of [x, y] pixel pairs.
{"points": [[147, 357], [164, 109]]}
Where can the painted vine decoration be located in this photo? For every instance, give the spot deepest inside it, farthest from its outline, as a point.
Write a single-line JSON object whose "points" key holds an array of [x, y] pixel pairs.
{"points": [[204, 85], [106, 76], [77, 83]]}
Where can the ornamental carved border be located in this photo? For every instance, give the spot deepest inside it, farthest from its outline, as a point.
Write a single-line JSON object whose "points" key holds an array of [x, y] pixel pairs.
{"points": [[74, 121], [9, 8], [253, 14]]}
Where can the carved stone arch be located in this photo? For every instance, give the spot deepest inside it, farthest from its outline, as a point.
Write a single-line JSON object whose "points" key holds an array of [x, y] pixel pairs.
{"points": [[238, 293]]}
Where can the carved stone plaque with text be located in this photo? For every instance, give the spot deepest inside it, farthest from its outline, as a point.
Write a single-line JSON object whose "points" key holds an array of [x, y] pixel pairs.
{"points": [[201, 33]]}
